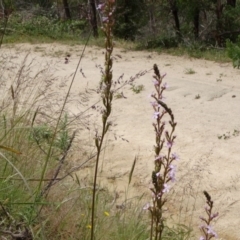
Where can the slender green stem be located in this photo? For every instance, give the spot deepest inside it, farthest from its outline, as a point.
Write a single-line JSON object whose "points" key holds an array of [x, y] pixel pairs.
{"points": [[107, 95], [95, 182]]}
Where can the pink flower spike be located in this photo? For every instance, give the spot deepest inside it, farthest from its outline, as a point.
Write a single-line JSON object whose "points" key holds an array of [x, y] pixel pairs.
{"points": [[202, 238], [158, 174]]}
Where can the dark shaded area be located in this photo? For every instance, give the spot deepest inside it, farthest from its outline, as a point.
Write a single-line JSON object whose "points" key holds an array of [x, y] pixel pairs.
{"points": [[67, 10]]}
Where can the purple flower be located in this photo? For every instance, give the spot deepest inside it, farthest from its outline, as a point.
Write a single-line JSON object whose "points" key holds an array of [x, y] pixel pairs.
{"points": [[211, 231], [207, 208], [164, 75], [159, 195], [158, 174], [104, 19], [155, 106], [100, 6], [214, 215], [172, 172], [165, 86], [159, 157], [202, 238], [169, 144], [156, 115], [166, 188], [153, 196], [155, 82], [153, 95], [175, 156], [147, 206]]}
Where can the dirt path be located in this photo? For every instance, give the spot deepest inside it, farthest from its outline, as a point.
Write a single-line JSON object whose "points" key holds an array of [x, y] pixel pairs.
{"points": [[206, 104]]}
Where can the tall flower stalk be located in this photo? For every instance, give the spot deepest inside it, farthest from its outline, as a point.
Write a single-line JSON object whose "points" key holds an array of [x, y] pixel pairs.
{"points": [[106, 13], [206, 228], [164, 168]]}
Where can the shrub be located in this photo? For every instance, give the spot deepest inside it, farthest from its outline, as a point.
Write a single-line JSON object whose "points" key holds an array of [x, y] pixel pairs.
{"points": [[233, 51]]}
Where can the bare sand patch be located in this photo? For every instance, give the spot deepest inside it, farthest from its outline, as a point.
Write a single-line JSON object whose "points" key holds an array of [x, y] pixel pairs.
{"points": [[206, 105]]}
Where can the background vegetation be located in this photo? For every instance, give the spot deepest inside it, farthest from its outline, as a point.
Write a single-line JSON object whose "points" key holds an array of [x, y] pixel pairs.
{"points": [[153, 23], [195, 26]]}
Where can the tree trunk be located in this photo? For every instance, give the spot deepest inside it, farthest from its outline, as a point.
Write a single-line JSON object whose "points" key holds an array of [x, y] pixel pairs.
{"points": [[174, 10], [219, 25], [196, 22], [219, 12], [66, 9], [93, 17], [152, 16]]}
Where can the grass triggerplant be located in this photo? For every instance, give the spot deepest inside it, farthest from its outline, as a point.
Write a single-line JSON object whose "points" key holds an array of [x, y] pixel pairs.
{"points": [[206, 228], [164, 169]]}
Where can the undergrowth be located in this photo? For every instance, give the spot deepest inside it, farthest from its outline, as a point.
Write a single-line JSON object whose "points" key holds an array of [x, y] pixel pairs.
{"points": [[25, 27]]}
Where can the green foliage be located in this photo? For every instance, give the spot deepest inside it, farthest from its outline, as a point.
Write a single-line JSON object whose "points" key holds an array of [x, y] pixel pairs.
{"points": [[231, 22], [190, 71], [44, 134], [161, 42], [8, 4], [63, 138], [178, 232], [130, 17], [229, 135], [43, 26], [137, 88], [15, 189], [42, 3], [233, 51]]}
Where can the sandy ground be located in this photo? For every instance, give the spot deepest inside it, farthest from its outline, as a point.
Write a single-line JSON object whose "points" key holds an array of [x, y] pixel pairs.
{"points": [[206, 105]]}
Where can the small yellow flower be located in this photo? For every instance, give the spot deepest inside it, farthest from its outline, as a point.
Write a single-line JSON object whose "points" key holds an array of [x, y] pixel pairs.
{"points": [[106, 214], [89, 226]]}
